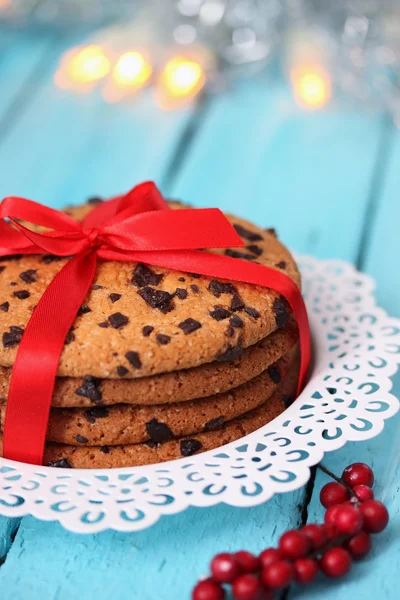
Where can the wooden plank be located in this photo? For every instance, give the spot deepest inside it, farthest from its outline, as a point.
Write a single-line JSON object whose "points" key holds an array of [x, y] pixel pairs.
{"points": [[21, 61], [375, 577], [309, 174]]}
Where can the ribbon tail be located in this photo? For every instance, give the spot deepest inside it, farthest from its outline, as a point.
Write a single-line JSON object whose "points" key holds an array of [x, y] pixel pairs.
{"points": [[38, 356]]}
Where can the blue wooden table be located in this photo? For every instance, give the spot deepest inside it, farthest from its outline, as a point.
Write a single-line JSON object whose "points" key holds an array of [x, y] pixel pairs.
{"points": [[328, 181]]}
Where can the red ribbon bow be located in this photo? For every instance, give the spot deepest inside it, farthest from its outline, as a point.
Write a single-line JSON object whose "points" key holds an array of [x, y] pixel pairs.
{"points": [[135, 227]]}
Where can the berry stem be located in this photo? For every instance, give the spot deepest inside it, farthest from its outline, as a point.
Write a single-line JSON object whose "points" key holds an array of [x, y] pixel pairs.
{"points": [[336, 478]]}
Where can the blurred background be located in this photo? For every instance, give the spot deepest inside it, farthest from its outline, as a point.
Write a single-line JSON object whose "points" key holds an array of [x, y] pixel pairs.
{"points": [[283, 111]]}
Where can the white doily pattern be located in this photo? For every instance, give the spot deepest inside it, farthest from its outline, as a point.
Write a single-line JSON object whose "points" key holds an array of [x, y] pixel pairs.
{"points": [[356, 351]]}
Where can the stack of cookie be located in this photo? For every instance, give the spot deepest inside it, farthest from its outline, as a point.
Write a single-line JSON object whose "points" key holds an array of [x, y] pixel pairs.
{"points": [[159, 364]]}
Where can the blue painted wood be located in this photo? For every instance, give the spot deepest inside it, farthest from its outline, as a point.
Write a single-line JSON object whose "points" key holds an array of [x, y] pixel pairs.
{"points": [[255, 146], [309, 174], [18, 62], [375, 577]]}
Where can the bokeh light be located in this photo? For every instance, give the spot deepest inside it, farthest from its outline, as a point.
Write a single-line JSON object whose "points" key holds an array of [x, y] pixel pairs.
{"points": [[132, 70], [311, 86], [182, 77], [82, 66]]}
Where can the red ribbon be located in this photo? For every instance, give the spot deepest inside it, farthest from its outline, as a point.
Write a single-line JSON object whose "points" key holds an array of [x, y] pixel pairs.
{"points": [[135, 227]]}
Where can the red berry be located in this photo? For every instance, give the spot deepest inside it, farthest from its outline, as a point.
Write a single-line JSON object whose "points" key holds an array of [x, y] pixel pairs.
{"points": [[375, 514], [278, 575], [330, 532], [336, 562], [330, 515], [305, 570], [363, 492], [269, 556], [357, 474], [208, 590], [247, 561], [294, 544], [224, 568], [359, 545], [333, 493], [315, 534], [247, 587], [348, 519]]}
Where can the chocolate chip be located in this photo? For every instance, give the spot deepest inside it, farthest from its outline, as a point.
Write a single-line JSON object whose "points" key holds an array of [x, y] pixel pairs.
{"points": [[237, 303], [12, 338], [274, 373], [220, 313], [236, 321], [151, 444], [81, 439], [90, 389], [104, 324], [163, 339], [217, 288], [158, 432], [2, 267], [118, 320], [255, 249], [121, 371], [189, 325], [232, 353], [214, 424], [114, 297], [181, 279], [105, 449], [195, 288], [10, 257], [194, 275], [189, 447], [50, 258], [146, 331], [4, 307], [96, 412], [281, 313], [95, 200], [181, 293], [21, 294], [142, 276], [29, 276], [157, 299], [238, 254], [134, 359], [230, 332], [281, 264], [251, 236], [63, 463], [97, 287], [272, 231], [84, 310], [253, 312], [288, 401], [70, 337], [13, 283]]}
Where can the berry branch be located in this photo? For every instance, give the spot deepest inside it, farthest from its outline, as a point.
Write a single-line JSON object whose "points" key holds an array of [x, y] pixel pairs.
{"points": [[352, 515]]}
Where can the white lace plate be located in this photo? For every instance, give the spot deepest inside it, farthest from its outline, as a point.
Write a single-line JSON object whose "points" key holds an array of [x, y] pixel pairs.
{"points": [[356, 351]]}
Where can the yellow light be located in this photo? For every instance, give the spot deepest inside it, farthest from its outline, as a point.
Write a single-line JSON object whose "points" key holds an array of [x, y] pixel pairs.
{"points": [[132, 70], [182, 77], [5, 4], [312, 86], [87, 65]]}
